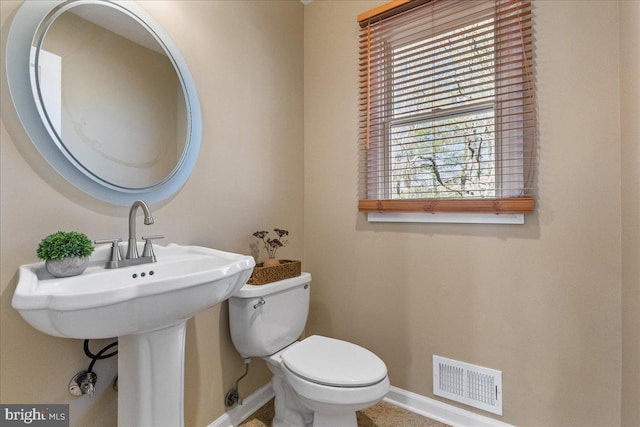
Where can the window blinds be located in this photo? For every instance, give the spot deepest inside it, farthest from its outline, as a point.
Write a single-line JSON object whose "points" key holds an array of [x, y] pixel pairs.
{"points": [[447, 110]]}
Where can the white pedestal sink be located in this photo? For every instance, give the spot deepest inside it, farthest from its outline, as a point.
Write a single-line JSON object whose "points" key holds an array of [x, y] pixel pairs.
{"points": [[146, 307]]}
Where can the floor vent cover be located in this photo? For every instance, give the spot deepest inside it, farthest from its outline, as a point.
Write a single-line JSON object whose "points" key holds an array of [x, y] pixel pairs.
{"points": [[469, 384]]}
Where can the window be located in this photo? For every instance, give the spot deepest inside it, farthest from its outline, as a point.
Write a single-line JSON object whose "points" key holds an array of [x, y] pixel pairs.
{"points": [[447, 109]]}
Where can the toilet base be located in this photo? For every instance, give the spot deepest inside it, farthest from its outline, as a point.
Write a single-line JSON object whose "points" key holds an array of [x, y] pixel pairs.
{"points": [[342, 420], [292, 410], [288, 410], [284, 418]]}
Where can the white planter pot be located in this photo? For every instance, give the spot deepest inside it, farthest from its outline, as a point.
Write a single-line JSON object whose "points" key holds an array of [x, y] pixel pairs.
{"points": [[66, 267]]}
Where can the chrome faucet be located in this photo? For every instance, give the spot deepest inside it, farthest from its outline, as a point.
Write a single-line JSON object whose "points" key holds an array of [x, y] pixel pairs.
{"points": [[132, 249]]}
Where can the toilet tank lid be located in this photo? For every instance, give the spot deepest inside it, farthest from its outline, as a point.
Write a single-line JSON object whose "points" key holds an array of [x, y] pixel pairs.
{"points": [[254, 291], [334, 362]]}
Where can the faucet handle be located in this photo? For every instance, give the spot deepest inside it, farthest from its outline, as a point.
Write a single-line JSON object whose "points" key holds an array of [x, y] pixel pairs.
{"points": [[116, 254], [148, 246]]}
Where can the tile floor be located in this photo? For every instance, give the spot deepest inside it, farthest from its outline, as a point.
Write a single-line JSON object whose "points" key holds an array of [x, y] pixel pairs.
{"points": [[381, 415]]}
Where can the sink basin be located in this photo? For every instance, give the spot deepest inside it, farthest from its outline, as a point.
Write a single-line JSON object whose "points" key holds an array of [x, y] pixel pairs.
{"points": [[103, 303], [147, 307]]}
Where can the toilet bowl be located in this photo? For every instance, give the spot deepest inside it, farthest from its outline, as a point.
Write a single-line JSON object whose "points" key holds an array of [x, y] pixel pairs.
{"points": [[318, 381]]}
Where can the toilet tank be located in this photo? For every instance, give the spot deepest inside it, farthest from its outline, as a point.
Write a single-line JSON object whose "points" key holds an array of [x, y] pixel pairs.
{"points": [[264, 319]]}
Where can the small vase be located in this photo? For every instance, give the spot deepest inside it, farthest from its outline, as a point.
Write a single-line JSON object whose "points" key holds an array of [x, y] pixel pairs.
{"points": [[67, 267], [271, 262]]}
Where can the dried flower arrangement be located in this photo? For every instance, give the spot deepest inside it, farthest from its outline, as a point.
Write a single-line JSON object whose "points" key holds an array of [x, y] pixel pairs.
{"points": [[272, 245], [273, 270]]}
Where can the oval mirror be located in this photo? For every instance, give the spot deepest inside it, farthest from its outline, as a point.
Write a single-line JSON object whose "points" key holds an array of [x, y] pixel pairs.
{"points": [[113, 106]]}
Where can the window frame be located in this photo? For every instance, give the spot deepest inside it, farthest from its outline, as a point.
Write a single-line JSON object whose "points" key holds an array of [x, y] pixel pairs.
{"points": [[498, 205]]}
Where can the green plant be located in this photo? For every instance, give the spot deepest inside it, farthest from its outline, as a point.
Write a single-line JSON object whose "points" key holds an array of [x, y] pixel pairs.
{"points": [[64, 244], [272, 245]]}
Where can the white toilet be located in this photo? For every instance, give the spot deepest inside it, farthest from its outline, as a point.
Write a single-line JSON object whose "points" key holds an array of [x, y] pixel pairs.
{"points": [[319, 381]]}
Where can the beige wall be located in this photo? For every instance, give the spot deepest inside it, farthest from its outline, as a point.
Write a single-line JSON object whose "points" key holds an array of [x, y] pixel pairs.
{"points": [[630, 135], [247, 62], [541, 302]]}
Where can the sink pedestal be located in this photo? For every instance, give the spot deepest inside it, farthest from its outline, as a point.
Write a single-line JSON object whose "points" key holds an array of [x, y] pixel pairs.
{"points": [[151, 377]]}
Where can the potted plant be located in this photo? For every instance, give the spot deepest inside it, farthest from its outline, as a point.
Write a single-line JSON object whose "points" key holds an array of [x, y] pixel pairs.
{"points": [[272, 269], [66, 253]]}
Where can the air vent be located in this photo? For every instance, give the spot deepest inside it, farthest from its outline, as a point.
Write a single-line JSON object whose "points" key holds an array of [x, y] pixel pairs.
{"points": [[469, 384]]}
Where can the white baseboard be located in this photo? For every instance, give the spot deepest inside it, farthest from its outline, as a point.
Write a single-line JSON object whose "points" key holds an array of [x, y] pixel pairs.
{"points": [[439, 411], [251, 404], [422, 405]]}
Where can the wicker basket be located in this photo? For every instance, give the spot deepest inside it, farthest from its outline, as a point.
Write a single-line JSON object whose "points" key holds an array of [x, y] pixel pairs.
{"points": [[286, 270]]}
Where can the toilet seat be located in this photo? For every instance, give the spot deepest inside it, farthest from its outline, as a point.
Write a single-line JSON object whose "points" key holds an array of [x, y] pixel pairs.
{"points": [[335, 363], [314, 394]]}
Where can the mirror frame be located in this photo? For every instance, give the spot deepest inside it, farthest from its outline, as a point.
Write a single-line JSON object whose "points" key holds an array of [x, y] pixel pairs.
{"points": [[25, 26]]}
